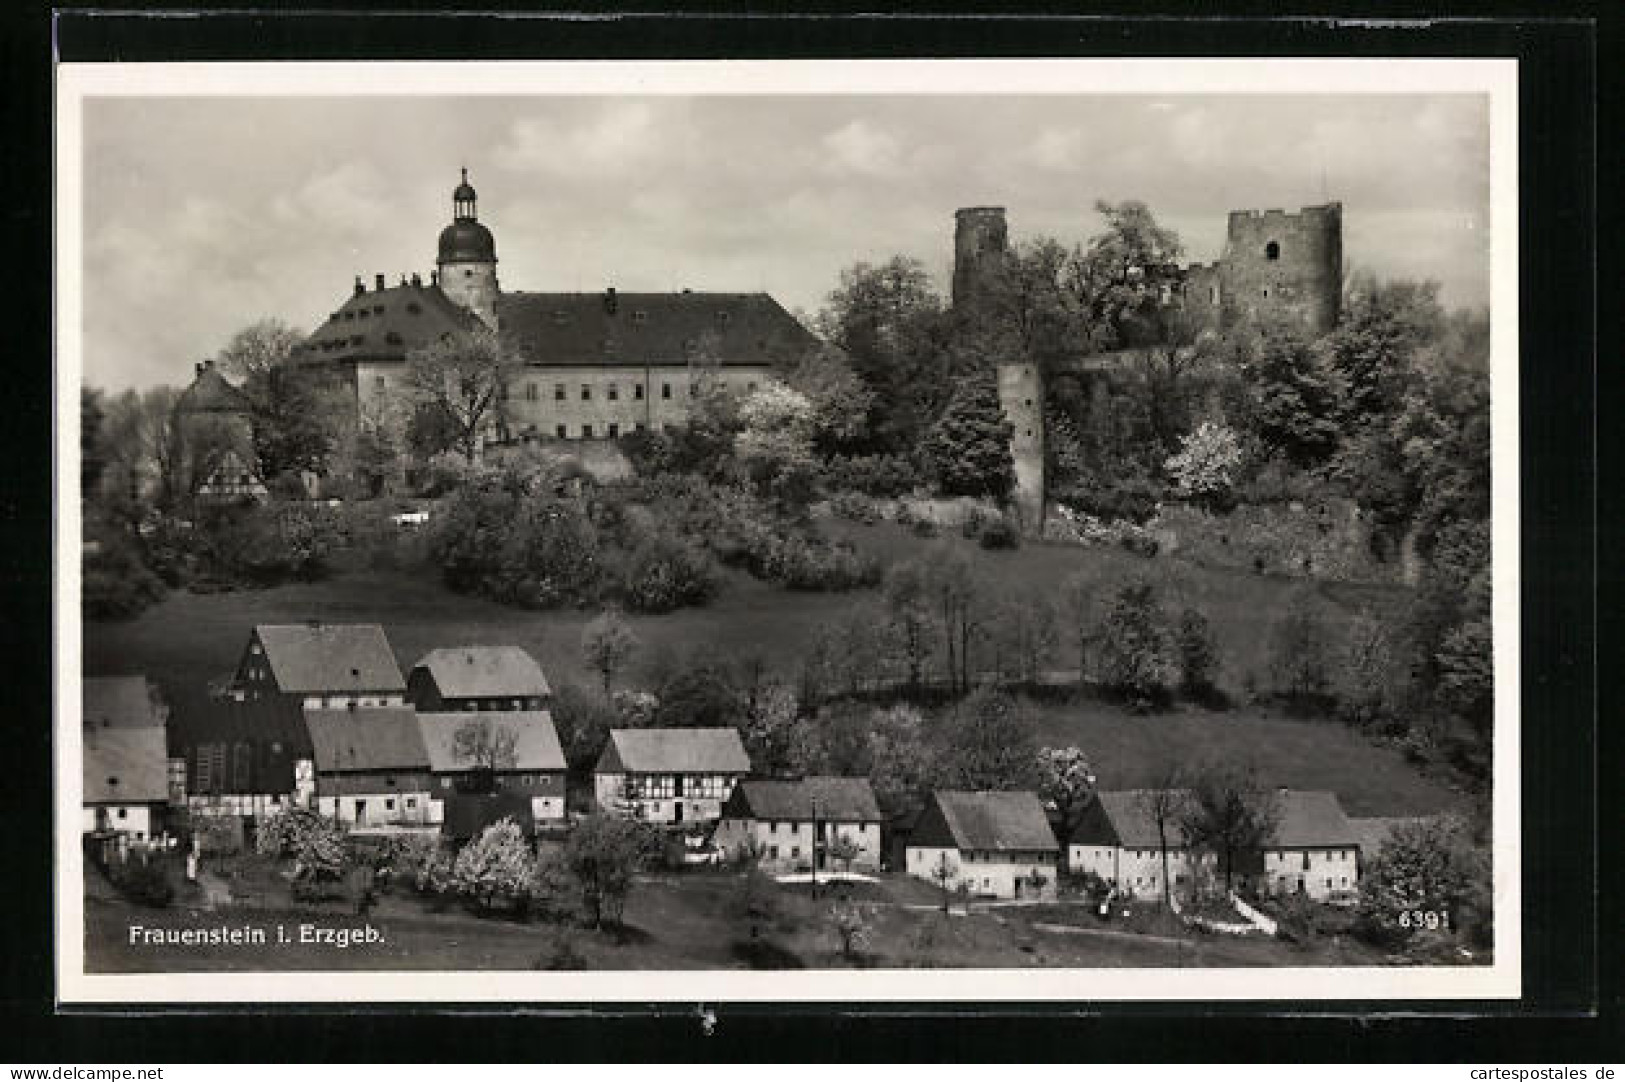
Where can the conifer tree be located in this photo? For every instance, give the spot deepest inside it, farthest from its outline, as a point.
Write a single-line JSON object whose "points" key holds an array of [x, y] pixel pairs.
{"points": [[969, 447]]}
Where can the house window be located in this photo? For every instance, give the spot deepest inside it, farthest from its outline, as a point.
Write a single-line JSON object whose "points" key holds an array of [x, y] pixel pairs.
{"points": [[614, 393], [1272, 251], [445, 783], [562, 431], [123, 814], [637, 392], [665, 390], [795, 852], [586, 432], [751, 388], [530, 392], [411, 802], [586, 392], [378, 384], [614, 430], [558, 392], [389, 805]]}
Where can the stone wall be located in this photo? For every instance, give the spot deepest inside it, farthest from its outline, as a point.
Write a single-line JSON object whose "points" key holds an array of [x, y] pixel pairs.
{"points": [[1284, 266]]}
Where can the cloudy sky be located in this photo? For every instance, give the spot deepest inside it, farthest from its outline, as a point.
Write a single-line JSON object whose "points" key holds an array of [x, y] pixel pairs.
{"points": [[203, 215]]}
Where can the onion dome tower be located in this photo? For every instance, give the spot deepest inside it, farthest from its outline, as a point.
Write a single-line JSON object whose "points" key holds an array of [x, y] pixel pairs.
{"points": [[468, 257]]}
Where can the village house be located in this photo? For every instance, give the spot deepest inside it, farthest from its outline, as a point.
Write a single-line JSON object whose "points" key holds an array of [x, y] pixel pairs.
{"points": [[533, 767], [795, 825], [1313, 848], [477, 678], [126, 781], [669, 775], [319, 665], [993, 844], [372, 769], [1118, 841], [249, 757]]}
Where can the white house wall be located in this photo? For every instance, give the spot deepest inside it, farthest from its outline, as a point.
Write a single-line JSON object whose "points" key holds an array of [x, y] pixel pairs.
{"points": [[786, 846], [1319, 873], [995, 878]]}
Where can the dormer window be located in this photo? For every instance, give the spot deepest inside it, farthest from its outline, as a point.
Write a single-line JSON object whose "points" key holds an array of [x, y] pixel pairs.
{"points": [[640, 316], [723, 317]]}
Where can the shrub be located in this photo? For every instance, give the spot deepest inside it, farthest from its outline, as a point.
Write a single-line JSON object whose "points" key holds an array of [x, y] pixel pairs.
{"points": [[316, 845], [883, 476], [116, 582], [1131, 499], [145, 882], [496, 868], [854, 507], [665, 573], [999, 533]]}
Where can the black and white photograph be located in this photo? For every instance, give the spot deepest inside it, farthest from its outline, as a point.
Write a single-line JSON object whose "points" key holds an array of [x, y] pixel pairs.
{"points": [[911, 530]]}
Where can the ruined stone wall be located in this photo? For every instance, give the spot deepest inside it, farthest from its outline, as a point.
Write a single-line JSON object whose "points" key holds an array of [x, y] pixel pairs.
{"points": [[1280, 266], [1202, 294], [1021, 396]]}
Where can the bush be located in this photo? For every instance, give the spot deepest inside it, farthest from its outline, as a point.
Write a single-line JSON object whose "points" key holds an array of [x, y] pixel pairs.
{"points": [[116, 582], [883, 476], [999, 533], [1132, 499], [665, 573], [854, 507], [145, 882], [496, 868]]}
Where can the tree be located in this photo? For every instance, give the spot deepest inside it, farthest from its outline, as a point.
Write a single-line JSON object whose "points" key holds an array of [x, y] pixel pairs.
{"points": [[1066, 782], [1382, 326], [1301, 656], [852, 928], [487, 744], [775, 444], [292, 422], [1023, 632], [957, 593], [1228, 814], [603, 853], [779, 740], [1467, 673], [1078, 608], [1422, 871], [945, 871], [1297, 397], [843, 851], [907, 589], [968, 449], [901, 768], [757, 900], [1164, 803], [1369, 680], [497, 867], [606, 643], [1134, 652], [991, 743], [1198, 653], [315, 843], [460, 379], [1205, 466], [91, 460], [1117, 281], [839, 398], [256, 351]]}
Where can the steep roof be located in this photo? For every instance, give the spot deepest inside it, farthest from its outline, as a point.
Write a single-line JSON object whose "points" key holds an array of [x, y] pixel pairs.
{"points": [[845, 799], [367, 738], [1311, 817], [536, 744], [201, 718], [675, 751], [1121, 818], [120, 702], [211, 392], [986, 820], [125, 766], [317, 657], [469, 672], [384, 324], [551, 329]]}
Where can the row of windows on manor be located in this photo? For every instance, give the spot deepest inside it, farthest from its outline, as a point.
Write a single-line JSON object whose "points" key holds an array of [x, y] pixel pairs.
{"points": [[1147, 854], [1179, 881], [561, 392], [700, 786]]}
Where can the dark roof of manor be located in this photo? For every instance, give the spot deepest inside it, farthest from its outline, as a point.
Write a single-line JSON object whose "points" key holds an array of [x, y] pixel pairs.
{"points": [[483, 672], [1122, 818], [849, 800], [1304, 819], [998, 821], [610, 328], [383, 324], [1311, 817], [211, 392], [255, 742], [318, 657], [380, 738]]}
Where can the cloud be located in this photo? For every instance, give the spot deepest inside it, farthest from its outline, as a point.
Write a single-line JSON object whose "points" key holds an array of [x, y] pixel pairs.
{"points": [[863, 149], [1058, 148], [614, 137]]}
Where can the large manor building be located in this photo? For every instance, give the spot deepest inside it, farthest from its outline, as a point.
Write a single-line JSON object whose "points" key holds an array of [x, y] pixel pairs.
{"points": [[590, 366]]}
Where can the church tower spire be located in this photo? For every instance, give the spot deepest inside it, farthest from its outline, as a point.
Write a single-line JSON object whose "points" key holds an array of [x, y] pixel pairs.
{"points": [[468, 257]]}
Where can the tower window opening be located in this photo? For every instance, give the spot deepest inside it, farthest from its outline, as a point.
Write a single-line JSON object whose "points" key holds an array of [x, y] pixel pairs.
{"points": [[468, 273], [1272, 250]]}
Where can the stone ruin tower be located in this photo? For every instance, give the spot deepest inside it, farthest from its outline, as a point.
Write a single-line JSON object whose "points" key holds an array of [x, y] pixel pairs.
{"points": [[981, 242], [1280, 266]]}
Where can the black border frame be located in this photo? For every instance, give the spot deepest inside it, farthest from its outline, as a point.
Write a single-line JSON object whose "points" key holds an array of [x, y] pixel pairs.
{"points": [[1557, 49]]}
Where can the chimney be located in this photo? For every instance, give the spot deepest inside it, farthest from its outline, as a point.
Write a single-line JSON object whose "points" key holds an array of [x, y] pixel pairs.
{"points": [[378, 280], [360, 286], [610, 303], [434, 277], [208, 362], [197, 369], [417, 280]]}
